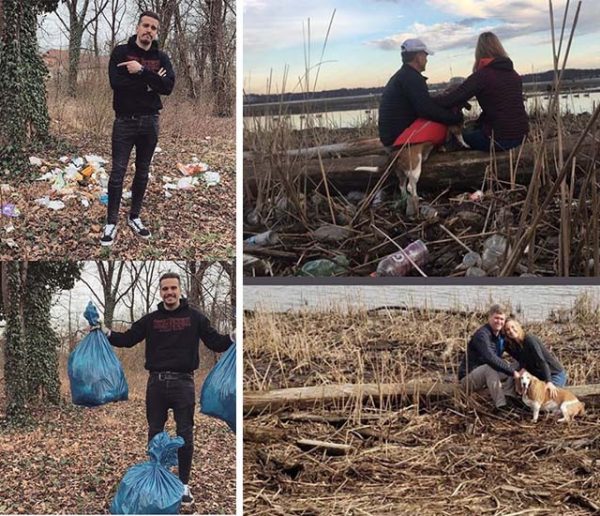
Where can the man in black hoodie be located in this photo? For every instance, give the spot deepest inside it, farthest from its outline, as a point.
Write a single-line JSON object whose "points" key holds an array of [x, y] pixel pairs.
{"points": [[139, 73], [172, 335], [406, 97], [483, 366]]}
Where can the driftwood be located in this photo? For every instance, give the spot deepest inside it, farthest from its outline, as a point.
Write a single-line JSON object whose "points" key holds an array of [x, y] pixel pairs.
{"points": [[327, 447], [259, 400], [358, 165]]}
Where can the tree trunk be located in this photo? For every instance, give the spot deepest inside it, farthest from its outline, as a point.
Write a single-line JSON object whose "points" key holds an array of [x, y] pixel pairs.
{"points": [[182, 47], [260, 400], [23, 111], [14, 277]]}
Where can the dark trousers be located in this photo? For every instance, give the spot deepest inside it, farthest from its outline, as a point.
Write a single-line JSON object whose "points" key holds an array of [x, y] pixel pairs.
{"points": [[178, 395], [140, 132], [477, 140]]}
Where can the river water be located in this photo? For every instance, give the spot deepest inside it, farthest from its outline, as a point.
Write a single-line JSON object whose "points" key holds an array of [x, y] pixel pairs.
{"points": [[531, 302], [569, 103]]}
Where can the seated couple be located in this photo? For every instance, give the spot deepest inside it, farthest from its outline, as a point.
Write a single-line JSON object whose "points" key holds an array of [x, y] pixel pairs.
{"points": [[483, 366], [406, 111]]}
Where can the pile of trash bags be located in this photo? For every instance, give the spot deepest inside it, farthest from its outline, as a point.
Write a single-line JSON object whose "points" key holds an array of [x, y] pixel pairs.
{"points": [[95, 373], [149, 487], [217, 397]]}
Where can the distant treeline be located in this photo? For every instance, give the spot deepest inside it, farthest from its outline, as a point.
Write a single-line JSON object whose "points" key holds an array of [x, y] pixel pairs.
{"points": [[569, 75]]}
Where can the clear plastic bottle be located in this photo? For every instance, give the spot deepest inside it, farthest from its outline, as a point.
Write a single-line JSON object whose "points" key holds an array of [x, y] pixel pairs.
{"points": [[471, 259], [397, 264], [493, 251], [266, 238]]}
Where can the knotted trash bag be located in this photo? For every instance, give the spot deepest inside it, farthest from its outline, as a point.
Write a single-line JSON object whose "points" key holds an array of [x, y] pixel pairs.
{"points": [[149, 487], [95, 372], [217, 397]]}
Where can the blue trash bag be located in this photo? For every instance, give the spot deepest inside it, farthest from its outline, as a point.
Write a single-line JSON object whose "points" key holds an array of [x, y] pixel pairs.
{"points": [[217, 397], [95, 372], [149, 487]]}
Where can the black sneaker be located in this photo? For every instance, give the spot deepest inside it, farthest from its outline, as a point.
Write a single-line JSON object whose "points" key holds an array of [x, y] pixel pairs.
{"points": [[187, 497], [108, 235], [138, 228]]}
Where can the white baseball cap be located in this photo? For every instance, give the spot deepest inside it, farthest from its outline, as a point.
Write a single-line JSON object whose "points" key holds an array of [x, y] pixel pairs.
{"points": [[415, 45]]}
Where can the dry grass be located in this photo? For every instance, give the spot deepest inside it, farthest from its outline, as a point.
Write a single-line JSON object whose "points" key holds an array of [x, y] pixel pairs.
{"points": [[415, 455]]}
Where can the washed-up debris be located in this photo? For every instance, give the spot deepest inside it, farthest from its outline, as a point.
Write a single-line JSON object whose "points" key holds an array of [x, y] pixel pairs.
{"points": [[10, 210], [10, 242], [47, 203], [9, 228], [325, 267], [331, 233], [402, 261], [265, 238], [36, 162]]}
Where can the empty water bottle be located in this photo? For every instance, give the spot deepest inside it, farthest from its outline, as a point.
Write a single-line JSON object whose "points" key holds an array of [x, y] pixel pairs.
{"points": [[475, 272], [397, 264], [493, 251], [266, 238], [471, 259]]}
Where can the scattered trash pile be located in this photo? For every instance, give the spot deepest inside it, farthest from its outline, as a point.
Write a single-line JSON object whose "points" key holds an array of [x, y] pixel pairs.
{"points": [[85, 179], [193, 174]]}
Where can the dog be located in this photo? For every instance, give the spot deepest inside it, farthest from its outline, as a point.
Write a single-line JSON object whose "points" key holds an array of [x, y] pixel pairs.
{"points": [[407, 160], [534, 395]]}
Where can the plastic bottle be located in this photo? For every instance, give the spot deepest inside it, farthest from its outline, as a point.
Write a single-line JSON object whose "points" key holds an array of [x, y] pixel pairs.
{"points": [[266, 238], [475, 272], [325, 267], [397, 264], [493, 251], [471, 259]]}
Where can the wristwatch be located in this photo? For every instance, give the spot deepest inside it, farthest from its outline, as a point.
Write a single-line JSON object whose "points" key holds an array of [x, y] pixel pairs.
{"points": [[141, 71]]}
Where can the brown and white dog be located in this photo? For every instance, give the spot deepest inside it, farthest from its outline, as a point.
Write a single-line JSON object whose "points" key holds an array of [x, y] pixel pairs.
{"points": [[407, 162], [534, 395]]}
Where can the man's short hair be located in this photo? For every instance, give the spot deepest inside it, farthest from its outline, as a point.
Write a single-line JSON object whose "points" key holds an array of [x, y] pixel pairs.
{"points": [[152, 14], [169, 275], [497, 309], [407, 57]]}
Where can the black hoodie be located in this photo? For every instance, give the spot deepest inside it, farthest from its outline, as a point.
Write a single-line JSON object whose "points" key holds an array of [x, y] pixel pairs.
{"points": [[139, 94], [499, 91], [172, 338], [481, 350]]}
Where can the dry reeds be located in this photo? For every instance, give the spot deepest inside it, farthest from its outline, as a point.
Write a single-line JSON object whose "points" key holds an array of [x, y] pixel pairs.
{"points": [[414, 455]]}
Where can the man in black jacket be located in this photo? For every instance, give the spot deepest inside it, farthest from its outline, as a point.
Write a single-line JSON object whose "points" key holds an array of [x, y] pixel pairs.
{"points": [[482, 366], [139, 73], [172, 335], [406, 97]]}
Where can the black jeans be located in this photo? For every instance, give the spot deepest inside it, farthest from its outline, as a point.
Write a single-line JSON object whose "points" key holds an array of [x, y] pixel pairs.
{"points": [[180, 395], [140, 131]]}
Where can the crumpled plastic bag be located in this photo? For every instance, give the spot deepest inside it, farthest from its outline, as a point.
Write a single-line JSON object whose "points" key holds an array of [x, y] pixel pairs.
{"points": [[95, 373], [217, 397], [149, 487]]}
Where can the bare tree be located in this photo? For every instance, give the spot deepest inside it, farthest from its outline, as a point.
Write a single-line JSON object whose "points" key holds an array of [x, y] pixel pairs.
{"points": [[114, 18], [76, 26], [110, 275]]}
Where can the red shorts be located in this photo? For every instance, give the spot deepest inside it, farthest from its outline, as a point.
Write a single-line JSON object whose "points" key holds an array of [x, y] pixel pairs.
{"points": [[422, 130]]}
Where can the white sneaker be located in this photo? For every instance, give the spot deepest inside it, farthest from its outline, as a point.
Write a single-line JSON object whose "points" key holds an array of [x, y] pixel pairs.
{"points": [[138, 228], [187, 495], [108, 235]]}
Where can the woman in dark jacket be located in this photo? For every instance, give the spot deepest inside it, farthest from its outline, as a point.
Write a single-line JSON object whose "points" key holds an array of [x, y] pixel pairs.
{"points": [[499, 91], [534, 357]]}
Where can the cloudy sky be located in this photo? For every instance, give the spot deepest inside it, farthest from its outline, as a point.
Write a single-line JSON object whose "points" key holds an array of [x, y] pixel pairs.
{"points": [[283, 38]]}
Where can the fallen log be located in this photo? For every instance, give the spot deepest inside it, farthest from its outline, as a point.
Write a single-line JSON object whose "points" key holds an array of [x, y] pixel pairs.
{"points": [[346, 172], [260, 400]]}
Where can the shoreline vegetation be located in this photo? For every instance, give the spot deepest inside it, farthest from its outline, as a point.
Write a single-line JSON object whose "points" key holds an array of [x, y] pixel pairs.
{"points": [[365, 453], [312, 207]]}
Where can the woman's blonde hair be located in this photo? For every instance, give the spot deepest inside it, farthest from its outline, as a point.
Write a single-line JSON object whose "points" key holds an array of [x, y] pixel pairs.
{"points": [[488, 45], [519, 329]]}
